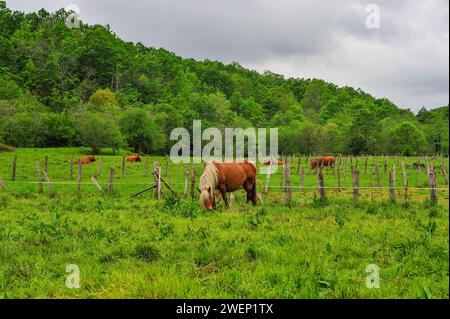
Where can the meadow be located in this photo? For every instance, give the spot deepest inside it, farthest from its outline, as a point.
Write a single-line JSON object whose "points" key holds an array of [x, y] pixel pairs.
{"points": [[141, 247]]}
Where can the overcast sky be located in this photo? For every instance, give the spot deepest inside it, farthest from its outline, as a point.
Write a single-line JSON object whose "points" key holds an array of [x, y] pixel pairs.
{"points": [[405, 60]]}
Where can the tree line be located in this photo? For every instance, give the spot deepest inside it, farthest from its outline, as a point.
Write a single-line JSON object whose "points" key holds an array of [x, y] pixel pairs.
{"points": [[87, 87]]}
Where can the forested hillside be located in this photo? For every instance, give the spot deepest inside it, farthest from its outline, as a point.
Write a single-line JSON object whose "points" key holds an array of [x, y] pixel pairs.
{"points": [[72, 87]]}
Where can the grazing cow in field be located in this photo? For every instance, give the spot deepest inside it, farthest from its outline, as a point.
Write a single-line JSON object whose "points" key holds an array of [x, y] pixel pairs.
{"points": [[327, 161], [87, 160], [273, 162], [134, 158]]}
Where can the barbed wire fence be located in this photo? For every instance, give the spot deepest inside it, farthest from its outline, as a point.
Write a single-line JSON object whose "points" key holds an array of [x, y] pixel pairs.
{"points": [[288, 163]]}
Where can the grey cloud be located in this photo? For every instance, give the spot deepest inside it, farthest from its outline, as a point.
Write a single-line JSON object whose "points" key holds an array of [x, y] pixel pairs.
{"points": [[405, 60]]}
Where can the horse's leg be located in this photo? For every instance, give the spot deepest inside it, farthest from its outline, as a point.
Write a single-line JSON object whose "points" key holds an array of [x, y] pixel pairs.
{"points": [[250, 188], [223, 190], [253, 194], [247, 189], [232, 199]]}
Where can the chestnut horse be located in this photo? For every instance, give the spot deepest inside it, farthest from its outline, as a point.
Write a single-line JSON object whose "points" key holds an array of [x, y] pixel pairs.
{"points": [[323, 161], [227, 178]]}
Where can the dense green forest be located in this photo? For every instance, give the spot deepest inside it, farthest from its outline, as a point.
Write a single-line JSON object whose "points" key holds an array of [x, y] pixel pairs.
{"points": [[87, 87]]}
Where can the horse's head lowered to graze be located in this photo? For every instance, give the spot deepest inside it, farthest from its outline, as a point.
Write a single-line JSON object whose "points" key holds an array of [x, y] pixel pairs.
{"points": [[207, 199], [207, 184]]}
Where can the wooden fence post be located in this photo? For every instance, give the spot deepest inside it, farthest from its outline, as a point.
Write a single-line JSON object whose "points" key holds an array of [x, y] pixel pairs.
{"points": [[371, 183], [2, 185], [80, 172], [193, 182], [444, 173], [38, 167], [345, 171], [433, 192], [395, 172], [13, 174], [321, 184], [163, 182], [405, 181], [94, 181], [385, 164], [159, 182], [403, 171], [435, 175], [392, 185], [339, 174], [377, 171], [186, 180], [282, 177], [302, 179], [419, 173], [111, 180], [355, 175], [99, 168], [155, 178], [287, 174], [365, 165], [298, 164], [47, 181]]}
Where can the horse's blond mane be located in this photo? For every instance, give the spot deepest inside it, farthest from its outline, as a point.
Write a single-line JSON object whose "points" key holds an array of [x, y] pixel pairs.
{"points": [[209, 177]]}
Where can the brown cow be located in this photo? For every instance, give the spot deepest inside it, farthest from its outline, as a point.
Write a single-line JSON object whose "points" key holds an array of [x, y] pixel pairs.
{"points": [[87, 160], [134, 158], [273, 162], [324, 161]]}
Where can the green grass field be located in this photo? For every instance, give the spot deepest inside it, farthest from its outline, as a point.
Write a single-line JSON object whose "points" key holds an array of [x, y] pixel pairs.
{"points": [[143, 248]]}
